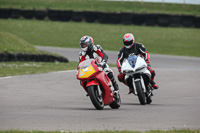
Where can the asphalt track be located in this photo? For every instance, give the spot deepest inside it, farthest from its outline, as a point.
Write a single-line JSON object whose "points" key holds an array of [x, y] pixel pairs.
{"points": [[56, 101]]}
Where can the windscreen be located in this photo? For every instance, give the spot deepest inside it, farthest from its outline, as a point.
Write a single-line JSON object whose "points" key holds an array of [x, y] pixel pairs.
{"points": [[132, 60], [85, 63]]}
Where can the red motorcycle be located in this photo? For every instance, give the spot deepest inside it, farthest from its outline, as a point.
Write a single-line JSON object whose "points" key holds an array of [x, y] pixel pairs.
{"points": [[97, 85]]}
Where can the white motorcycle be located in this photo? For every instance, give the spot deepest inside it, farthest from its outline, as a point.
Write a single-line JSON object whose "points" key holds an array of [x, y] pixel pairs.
{"points": [[138, 77]]}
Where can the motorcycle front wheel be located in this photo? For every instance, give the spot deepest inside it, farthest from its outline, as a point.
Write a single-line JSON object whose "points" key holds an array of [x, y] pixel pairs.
{"points": [[140, 93], [96, 97]]}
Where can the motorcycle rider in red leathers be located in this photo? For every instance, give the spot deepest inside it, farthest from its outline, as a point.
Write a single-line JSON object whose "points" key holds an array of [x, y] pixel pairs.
{"points": [[89, 50], [132, 47]]}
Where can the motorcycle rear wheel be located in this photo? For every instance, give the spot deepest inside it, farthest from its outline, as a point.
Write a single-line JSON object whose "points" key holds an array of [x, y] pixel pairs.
{"points": [[95, 97], [140, 93]]}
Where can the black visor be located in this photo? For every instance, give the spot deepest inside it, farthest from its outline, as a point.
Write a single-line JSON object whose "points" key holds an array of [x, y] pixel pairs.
{"points": [[128, 43], [83, 45]]}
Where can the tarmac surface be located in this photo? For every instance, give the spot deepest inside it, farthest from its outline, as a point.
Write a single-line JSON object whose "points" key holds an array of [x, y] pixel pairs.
{"points": [[56, 101]]}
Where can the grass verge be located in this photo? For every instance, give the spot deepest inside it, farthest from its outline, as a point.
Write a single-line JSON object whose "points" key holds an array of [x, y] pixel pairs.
{"points": [[105, 6], [14, 44], [157, 40], [24, 68]]}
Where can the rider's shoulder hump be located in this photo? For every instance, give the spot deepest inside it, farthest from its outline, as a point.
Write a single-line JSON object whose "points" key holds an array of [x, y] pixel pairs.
{"points": [[97, 47]]}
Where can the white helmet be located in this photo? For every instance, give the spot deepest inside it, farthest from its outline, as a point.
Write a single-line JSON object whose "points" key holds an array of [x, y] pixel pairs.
{"points": [[86, 43]]}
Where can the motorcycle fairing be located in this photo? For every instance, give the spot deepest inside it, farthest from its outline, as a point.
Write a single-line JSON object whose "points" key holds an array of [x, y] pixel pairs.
{"points": [[98, 77], [92, 82], [107, 84], [86, 72], [133, 64], [135, 67], [86, 69]]}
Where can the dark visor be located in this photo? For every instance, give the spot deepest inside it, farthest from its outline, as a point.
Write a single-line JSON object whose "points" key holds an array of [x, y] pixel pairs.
{"points": [[83, 45], [128, 43]]}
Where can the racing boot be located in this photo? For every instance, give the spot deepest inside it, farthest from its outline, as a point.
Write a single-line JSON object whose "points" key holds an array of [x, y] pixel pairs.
{"points": [[130, 85], [115, 85], [154, 85], [153, 74], [130, 91]]}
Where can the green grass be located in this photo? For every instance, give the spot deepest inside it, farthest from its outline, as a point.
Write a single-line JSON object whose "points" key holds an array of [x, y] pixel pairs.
{"points": [[105, 6], [153, 131], [23, 68], [158, 40], [13, 44]]}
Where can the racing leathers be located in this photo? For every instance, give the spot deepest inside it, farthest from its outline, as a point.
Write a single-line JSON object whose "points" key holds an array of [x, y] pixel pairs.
{"points": [[101, 57], [137, 49]]}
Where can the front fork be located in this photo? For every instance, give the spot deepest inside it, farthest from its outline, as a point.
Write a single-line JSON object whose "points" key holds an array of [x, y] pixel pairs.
{"points": [[138, 79], [142, 83]]}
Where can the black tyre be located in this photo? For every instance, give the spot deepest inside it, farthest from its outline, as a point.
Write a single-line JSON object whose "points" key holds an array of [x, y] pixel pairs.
{"points": [[96, 97], [140, 93], [117, 103]]}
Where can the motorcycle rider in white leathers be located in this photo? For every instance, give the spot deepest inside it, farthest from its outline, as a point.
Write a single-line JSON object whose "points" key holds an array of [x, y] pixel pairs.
{"points": [[89, 50]]}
